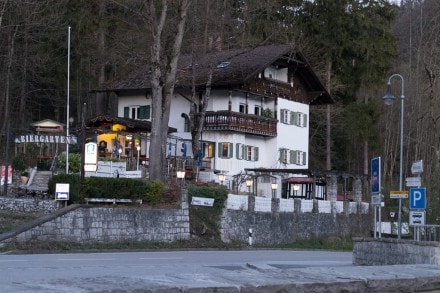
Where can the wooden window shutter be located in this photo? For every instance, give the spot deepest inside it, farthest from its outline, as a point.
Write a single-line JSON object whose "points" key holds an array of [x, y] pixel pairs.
{"points": [[256, 154], [126, 112], [294, 118], [304, 157], [220, 149], [282, 113], [231, 150], [238, 151], [304, 120], [282, 156], [144, 112]]}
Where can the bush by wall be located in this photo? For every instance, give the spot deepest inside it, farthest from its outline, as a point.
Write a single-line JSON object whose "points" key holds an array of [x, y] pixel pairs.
{"points": [[74, 182], [205, 220]]}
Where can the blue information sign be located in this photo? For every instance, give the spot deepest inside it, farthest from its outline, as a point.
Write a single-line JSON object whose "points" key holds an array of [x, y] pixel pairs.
{"points": [[417, 198], [375, 175]]}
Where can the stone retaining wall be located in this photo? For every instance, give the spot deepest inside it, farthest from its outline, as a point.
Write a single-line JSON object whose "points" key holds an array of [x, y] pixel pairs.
{"points": [[287, 227], [386, 251], [28, 205], [86, 224]]}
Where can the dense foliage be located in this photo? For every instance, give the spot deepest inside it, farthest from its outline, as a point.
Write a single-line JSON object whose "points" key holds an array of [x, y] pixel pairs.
{"points": [[150, 192], [204, 219]]}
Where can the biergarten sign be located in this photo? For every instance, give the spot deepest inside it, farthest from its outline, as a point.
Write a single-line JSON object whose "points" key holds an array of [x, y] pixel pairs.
{"points": [[44, 138]]}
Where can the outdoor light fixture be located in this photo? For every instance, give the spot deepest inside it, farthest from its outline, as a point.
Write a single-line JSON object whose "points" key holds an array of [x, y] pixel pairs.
{"points": [[180, 175], [274, 186], [388, 100], [221, 178], [295, 189], [138, 147], [249, 184], [120, 152]]}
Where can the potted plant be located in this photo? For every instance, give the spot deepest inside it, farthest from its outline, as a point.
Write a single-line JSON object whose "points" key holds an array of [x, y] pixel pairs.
{"points": [[19, 166], [24, 177]]}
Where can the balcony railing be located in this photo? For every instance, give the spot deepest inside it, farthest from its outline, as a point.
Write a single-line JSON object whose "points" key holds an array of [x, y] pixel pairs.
{"points": [[239, 122]]}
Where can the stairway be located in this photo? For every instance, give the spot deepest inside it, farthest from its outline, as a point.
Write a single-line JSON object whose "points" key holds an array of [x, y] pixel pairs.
{"points": [[40, 180]]}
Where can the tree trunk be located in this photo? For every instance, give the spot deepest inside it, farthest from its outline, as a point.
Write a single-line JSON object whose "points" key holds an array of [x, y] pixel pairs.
{"points": [[100, 97], [163, 80], [328, 144], [7, 97]]}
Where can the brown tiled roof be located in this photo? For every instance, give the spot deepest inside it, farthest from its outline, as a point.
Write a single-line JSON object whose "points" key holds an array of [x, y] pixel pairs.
{"points": [[131, 124], [230, 68]]}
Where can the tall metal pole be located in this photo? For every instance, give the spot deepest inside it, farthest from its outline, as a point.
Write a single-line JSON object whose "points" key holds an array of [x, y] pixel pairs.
{"points": [[399, 223], [389, 97], [68, 100]]}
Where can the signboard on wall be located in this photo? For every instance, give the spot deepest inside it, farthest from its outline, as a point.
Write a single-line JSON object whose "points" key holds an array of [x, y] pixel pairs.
{"points": [[62, 191], [3, 175], [375, 175], [90, 156]]}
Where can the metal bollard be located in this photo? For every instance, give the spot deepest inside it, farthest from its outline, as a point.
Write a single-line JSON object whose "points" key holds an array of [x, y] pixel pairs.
{"points": [[250, 236]]}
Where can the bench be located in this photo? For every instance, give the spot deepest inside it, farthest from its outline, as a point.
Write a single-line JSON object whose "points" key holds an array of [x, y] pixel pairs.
{"points": [[112, 200]]}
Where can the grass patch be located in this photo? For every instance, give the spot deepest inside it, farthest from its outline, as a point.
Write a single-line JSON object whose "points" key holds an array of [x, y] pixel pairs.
{"points": [[329, 243], [11, 219]]}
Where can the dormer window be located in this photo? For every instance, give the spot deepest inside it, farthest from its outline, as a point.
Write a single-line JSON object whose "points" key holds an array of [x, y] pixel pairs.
{"points": [[223, 64]]}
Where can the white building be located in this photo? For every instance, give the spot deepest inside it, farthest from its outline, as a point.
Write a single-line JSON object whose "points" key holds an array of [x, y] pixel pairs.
{"points": [[257, 115]]}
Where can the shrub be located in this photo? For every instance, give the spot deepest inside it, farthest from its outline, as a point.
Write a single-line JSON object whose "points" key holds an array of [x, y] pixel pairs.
{"points": [[134, 189], [154, 192], [205, 220], [74, 182], [18, 163], [74, 162]]}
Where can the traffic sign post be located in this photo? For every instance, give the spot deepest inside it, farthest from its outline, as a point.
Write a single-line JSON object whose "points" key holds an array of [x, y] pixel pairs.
{"points": [[399, 194], [416, 218], [413, 181], [417, 198]]}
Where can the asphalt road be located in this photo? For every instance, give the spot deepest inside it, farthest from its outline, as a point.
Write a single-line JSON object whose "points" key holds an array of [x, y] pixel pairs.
{"points": [[187, 271]]}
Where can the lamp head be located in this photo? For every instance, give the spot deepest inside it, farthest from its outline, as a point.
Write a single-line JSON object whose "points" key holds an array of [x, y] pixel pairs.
{"points": [[388, 98]]}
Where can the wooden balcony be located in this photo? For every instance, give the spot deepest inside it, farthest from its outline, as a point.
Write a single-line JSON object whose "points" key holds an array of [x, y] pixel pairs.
{"points": [[239, 122]]}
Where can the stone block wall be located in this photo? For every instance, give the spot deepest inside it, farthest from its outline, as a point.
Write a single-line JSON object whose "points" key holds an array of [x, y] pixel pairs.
{"points": [[28, 205], [86, 224], [386, 251], [288, 227]]}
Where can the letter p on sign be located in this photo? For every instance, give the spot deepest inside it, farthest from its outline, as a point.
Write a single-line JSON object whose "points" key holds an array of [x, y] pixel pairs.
{"points": [[417, 198]]}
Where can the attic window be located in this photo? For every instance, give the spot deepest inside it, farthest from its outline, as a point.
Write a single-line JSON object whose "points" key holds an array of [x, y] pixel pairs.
{"points": [[223, 64]]}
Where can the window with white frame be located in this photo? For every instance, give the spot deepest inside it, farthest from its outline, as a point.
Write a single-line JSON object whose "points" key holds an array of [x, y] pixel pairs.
{"points": [[137, 112], [292, 157], [242, 108], [284, 155], [284, 116], [257, 110], [299, 119], [225, 150], [294, 118], [298, 157], [251, 153]]}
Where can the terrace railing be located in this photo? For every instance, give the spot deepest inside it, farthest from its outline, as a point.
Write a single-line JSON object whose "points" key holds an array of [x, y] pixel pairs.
{"points": [[239, 122]]}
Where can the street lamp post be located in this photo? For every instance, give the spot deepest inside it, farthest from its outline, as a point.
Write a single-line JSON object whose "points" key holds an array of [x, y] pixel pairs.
{"points": [[274, 186], [389, 99], [249, 185], [138, 147], [221, 178]]}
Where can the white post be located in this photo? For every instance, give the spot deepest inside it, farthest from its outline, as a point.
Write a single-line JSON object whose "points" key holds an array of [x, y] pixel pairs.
{"points": [[250, 236], [68, 102]]}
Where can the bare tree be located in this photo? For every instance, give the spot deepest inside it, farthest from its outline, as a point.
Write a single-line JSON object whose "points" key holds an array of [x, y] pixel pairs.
{"points": [[164, 61]]}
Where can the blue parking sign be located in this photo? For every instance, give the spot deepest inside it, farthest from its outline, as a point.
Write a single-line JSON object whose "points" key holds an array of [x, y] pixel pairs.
{"points": [[417, 198]]}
